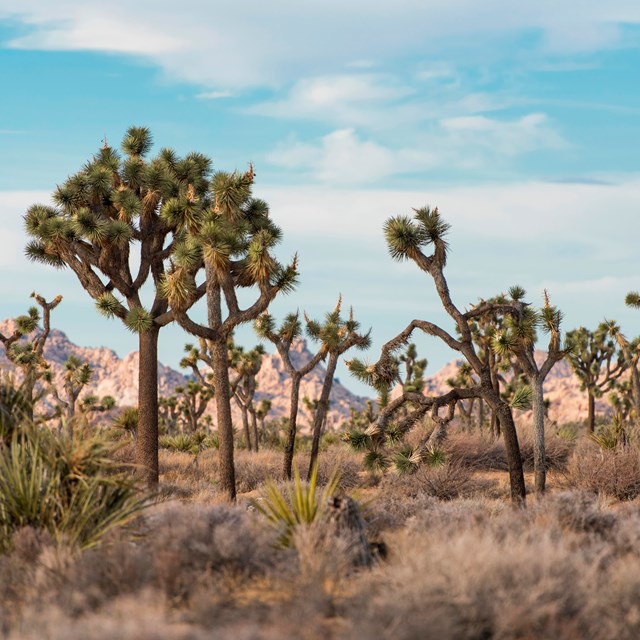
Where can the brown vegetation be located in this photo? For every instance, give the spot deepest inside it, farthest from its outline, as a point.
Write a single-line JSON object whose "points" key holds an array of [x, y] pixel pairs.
{"points": [[455, 560]]}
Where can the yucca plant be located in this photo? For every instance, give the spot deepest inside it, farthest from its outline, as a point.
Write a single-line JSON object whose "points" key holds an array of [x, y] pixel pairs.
{"points": [[298, 505], [66, 484], [181, 442]]}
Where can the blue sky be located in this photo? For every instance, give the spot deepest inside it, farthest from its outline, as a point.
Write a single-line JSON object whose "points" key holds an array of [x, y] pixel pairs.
{"points": [[522, 123]]}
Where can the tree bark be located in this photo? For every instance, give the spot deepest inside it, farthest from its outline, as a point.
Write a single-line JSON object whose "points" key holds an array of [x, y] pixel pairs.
{"points": [[254, 429], [539, 457], [591, 415], [321, 411], [635, 391], [293, 420], [245, 428], [227, 476], [514, 459], [147, 433]]}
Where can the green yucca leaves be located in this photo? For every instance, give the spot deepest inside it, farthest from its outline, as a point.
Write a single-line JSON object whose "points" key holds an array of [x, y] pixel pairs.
{"points": [[357, 439], [137, 141], [138, 320], [66, 485], [108, 305], [522, 398], [297, 505], [632, 299]]}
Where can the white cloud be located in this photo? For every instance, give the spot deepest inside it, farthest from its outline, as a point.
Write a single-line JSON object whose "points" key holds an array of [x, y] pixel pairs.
{"points": [[342, 157], [224, 45], [527, 212]]}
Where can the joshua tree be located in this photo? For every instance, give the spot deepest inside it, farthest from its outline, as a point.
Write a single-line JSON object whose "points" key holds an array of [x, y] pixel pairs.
{"points": [[594, 360], [77, 376], [193, 400], [101, 211], [283, 338], [518, 337], [28, 355], [406, 239], [233, 239], [336, 335], [247, 364]]}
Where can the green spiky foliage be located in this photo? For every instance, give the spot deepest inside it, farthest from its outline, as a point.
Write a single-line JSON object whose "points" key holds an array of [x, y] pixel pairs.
{"points": [[233, 240], [67, 485], [297, 506], [27, 352], [596, 361], [337, 335], [422, 239], [287, 338], [128, 421], [120, 224], [632, 299], [14, 408], [389, 445]]}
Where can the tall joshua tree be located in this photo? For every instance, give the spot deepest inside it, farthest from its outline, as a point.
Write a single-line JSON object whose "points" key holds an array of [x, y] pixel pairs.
{"points": [[596, 362], [100, 212], [283, 338], [406, 238], [233, 239], [518, 337], [29, 355], [336, 335]]}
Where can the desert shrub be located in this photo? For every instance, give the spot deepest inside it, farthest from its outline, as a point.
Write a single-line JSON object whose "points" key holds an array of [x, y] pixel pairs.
{"points": [[180, 442], [66, 484], [480, 451], [297, 505], [580, 512], [613, 472]]}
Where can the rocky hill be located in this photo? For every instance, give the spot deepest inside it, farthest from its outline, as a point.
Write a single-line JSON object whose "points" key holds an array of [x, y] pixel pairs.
{"points": [[118, 377], [562, 389]]}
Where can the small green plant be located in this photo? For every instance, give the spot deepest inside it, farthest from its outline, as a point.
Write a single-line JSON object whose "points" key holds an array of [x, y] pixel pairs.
{"points": [[609, 436], [181, 442], [66, 484], [297, 505]]}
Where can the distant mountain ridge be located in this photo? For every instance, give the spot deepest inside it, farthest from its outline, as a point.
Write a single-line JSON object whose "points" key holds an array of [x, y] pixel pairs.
{"points": [[118, 377], [562, 389]]}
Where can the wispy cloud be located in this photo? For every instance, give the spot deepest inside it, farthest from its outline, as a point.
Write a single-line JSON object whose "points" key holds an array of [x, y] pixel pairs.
{"points": [[343, 157], [267, 44]]}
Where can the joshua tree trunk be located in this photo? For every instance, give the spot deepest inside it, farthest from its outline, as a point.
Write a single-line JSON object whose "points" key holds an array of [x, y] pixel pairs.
{"points": [[591, 416], [245, 428], [147, 435], [293, 420], [254, 428], [321, 411], [635, 391], [514, 459], [223, 415], [480, 414], [539, 457]]}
